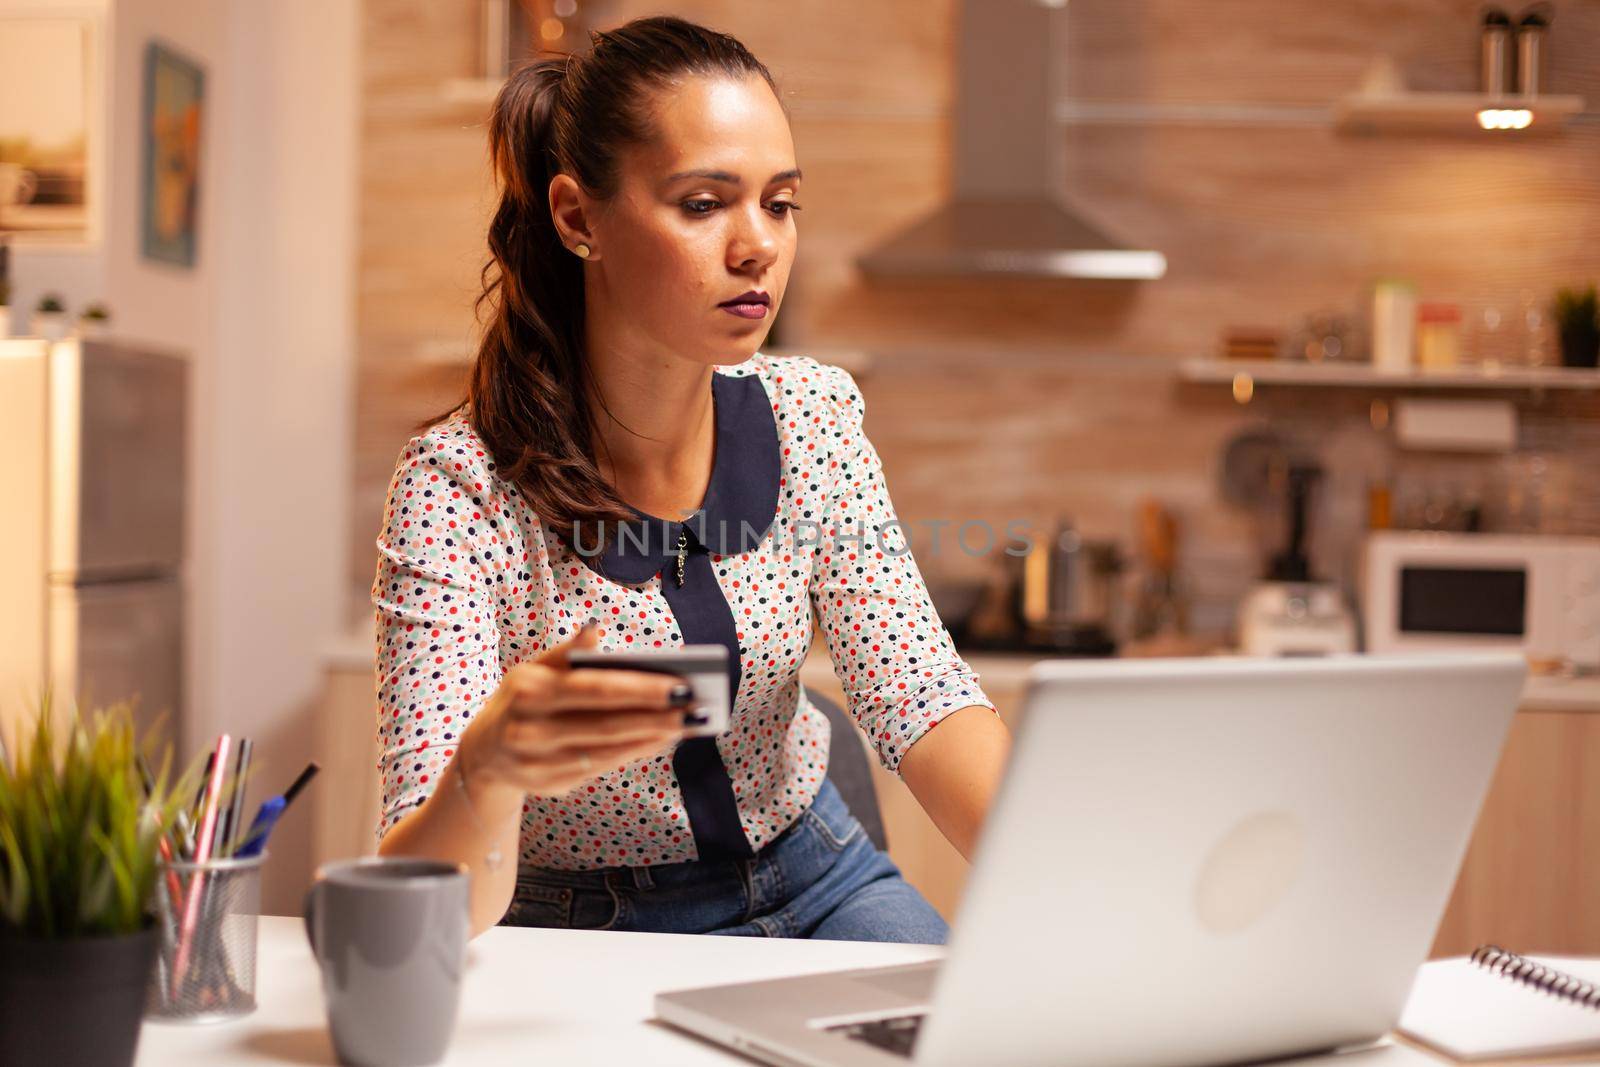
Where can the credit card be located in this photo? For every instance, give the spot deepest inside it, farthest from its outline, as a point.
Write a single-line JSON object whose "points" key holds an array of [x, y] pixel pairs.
{"points": [[704, 667]]}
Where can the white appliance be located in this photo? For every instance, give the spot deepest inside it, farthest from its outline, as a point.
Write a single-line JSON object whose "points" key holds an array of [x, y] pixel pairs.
{"points": [[91, 552], [1190, 861], [1295, 619], [1430, 590]]}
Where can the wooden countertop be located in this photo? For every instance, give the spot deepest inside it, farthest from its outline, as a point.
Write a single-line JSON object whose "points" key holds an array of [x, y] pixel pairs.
{"points": [[1008, 671]]}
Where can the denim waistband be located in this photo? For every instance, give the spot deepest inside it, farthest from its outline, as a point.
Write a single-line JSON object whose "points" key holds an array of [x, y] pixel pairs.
{"points": [[672, 875]]}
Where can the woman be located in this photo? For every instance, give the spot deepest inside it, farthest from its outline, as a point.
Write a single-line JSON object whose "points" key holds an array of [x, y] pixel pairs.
{"points": [[641, 245]]}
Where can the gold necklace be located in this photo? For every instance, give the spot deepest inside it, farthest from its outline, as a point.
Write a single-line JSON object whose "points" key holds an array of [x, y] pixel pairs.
{"points": [[683, 551]]}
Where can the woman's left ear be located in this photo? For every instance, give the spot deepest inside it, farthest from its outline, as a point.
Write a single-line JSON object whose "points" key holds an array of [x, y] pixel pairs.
{"points": [[566, 211]]}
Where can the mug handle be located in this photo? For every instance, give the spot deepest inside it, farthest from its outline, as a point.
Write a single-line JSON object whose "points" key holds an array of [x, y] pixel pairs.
{"points": [[309, 911]]}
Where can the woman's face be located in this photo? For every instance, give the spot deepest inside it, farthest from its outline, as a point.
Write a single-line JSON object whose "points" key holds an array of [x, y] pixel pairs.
{"points": [[701, 216]]}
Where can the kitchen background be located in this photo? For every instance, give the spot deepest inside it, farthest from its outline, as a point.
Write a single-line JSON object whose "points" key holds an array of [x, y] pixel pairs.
{"points": [[1200, 129], [344, 193]]}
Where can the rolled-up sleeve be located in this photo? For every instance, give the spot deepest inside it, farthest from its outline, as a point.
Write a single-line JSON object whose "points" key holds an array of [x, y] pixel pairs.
{"points": [[437, 642], [899, 668]]}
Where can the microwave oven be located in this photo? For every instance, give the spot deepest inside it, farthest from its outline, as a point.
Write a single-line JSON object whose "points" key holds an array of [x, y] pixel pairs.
{"points": [[1427, 590]]}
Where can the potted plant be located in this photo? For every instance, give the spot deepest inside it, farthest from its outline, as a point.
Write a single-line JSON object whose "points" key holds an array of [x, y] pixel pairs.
{"points": [[94, 320], [50, 318], [1577, 314], [79, 837]]}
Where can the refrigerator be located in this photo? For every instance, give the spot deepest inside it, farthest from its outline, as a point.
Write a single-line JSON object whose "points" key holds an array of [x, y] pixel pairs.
{"points": [[93, 488]]}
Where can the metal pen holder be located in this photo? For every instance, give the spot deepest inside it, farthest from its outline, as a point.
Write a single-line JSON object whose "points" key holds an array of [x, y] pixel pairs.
{"points": [[208, 914]]}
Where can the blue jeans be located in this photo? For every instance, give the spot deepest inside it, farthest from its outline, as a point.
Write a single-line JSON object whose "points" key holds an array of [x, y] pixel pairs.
{"points": [[820, 878]]}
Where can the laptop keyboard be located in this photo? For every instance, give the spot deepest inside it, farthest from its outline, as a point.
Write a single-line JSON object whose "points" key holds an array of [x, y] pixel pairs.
{"points": [[897, 1035]]}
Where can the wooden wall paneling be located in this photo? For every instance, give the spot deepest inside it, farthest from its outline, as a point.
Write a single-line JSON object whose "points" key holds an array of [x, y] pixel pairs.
{"points": [[1261, 224], [1300, 52]]}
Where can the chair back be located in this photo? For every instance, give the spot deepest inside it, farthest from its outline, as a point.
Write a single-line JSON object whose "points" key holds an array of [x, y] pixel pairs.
{"points": [[850, 768]]}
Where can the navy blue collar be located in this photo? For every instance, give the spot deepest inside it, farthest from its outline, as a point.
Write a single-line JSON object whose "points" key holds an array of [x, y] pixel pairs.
{"points": [[741, 500]]}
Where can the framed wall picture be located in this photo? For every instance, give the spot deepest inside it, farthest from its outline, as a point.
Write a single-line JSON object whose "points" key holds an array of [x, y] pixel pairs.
{"points": [[49, 76], [174, 112]]}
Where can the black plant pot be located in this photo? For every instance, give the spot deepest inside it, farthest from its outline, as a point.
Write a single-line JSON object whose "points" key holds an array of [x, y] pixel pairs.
{"points": [[76, 1000], [1580, 348]]}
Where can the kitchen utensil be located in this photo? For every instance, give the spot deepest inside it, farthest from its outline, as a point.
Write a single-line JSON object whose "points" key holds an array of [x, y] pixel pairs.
{"points": [[1161, 608], [1290, 612], [1069, 592]]}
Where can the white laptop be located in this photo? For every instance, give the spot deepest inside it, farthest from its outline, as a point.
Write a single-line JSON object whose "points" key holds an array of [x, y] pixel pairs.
{"points": [[1199, 861]]}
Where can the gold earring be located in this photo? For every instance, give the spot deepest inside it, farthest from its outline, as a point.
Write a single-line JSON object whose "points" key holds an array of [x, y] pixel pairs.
{"points": [[582, 250]]}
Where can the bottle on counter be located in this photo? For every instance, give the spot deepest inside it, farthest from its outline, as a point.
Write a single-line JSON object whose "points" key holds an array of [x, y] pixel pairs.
{"points": [[1380, 504]]}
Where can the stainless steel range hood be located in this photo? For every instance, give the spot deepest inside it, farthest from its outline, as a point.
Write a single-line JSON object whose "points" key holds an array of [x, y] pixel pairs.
{"points": [[1006, 217]]}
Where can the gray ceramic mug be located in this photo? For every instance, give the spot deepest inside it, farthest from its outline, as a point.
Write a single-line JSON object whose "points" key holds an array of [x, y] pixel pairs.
{"points": [[390, 936]]}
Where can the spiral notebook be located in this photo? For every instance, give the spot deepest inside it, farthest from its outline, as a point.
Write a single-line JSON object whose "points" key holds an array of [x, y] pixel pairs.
{"points": [[1499, 1005]]}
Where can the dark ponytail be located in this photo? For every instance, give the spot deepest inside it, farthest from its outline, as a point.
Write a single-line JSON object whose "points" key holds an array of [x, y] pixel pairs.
{"points": [[528, 391]]}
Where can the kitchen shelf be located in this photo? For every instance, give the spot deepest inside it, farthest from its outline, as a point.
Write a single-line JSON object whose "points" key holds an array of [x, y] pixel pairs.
{"points": [[1448, 112], [1364, 376]]}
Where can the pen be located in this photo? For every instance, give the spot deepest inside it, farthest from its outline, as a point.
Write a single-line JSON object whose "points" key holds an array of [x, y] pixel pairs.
{"points": [[202, 852], [299, 783], [199, 801], [271, 811], [255, 839], [231, 815]]}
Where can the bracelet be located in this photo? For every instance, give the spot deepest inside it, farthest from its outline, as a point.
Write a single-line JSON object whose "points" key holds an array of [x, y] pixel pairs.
{"points": [[493, 857]]}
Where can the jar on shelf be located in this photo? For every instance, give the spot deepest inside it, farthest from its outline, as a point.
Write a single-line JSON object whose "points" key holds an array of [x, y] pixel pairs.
{"points": [[1536, 341], [1491, 335], [1394, 325], [1438, 335]]}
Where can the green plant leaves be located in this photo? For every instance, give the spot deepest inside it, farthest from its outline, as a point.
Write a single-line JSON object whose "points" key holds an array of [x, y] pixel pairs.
{"points": [[1578, 310], [79, 829]]}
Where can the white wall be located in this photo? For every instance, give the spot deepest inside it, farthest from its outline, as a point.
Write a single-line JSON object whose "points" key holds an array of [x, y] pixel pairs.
{"points": [[267, 316], [169, 306], [281, 441]]}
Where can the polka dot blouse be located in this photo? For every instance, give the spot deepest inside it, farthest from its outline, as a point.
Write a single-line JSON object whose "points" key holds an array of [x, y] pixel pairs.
{"points": [[796, 531]]}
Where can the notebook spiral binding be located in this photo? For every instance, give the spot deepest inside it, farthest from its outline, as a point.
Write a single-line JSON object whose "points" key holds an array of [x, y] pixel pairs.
{"points": [[1558, 984]]}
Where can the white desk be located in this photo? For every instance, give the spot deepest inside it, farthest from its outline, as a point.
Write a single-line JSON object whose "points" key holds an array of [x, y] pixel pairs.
{"points": [[549, 997]]}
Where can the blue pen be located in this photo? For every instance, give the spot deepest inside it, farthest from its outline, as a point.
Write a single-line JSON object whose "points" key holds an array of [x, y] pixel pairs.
{"points": [[255, 839], [267, 816]]}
